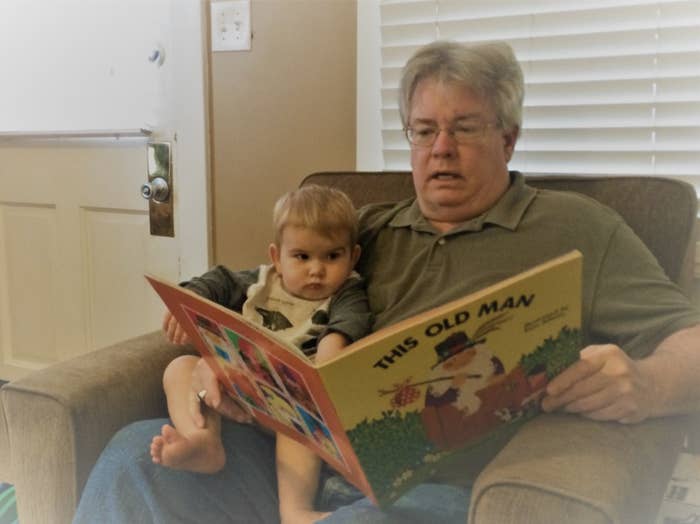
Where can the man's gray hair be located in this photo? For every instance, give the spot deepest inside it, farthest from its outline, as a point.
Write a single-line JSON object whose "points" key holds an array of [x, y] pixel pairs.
{"points": [[489, 70]]}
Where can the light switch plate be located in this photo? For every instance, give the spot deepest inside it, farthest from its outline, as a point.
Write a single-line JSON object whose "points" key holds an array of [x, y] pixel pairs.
{"points": [[230, 25]]}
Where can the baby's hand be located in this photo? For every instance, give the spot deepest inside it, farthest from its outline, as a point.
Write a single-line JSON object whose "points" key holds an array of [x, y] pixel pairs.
{"points": [[173, 330]]}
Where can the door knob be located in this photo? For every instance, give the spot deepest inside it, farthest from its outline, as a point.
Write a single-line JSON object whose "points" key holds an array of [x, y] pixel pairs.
{"points": [[156, 190], [159, 190]]}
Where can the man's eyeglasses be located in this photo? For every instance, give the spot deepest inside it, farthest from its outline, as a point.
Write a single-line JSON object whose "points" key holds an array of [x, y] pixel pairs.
{"points": [[423, 135]]}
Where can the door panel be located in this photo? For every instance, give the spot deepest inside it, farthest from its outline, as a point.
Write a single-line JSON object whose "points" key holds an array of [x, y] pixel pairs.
{"points": [[28, 251], [74, 245], [118, 251]]}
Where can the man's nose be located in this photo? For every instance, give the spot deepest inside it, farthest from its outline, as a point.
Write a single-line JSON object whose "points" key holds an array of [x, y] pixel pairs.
{"points": [[444, 143]]}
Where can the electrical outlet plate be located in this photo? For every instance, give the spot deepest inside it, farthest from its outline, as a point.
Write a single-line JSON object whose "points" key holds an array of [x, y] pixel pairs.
{"points": [[230, 25]]}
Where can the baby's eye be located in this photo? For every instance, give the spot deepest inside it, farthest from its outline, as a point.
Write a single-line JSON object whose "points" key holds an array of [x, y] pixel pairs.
{"points": [[334, 256], [301, 256]]}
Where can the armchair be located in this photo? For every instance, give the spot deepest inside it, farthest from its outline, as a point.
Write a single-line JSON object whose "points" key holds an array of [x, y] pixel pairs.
{"points": [[558, 468]]}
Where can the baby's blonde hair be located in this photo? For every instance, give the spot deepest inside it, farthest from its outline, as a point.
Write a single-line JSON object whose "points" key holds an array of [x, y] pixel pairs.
{"points": [[326, 210]]}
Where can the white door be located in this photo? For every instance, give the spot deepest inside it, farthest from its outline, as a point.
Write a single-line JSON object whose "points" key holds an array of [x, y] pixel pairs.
{"points": [[74, 230]]}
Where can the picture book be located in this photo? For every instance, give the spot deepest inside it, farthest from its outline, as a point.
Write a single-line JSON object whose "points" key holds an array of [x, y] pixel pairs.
{"points": [[393, 407]]}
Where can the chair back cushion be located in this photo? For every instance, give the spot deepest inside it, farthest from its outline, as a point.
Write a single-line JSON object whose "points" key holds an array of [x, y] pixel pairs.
{"points": [[662, 211]]}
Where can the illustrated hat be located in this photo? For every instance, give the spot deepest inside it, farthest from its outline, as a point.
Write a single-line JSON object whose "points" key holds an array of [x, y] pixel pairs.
{"points": [[453, 345]]}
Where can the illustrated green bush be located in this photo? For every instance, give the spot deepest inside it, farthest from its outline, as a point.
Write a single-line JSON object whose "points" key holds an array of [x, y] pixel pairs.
{"points": [[388, 446], [553, 355]]}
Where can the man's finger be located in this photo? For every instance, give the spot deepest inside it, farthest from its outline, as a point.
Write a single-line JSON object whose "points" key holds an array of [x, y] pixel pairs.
{"points": [[195, 406], [230, 408], [584, 388], [576, 372], [214, 397], [616, 412], [590, 403]]}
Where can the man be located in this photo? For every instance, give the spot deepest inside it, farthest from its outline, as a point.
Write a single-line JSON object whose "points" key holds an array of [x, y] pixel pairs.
{"points": [[472, 223], [462, 140]]}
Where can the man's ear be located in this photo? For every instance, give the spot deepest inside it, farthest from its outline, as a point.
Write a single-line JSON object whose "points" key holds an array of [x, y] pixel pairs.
{"points": [[274, 254], [356, 252], [509, 139]]}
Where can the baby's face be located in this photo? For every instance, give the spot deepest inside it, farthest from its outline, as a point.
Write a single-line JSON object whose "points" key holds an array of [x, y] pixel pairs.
{"points": [[312, 266]]}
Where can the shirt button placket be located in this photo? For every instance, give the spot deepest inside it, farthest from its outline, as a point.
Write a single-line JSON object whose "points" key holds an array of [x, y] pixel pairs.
{"points": [[437, 257]]}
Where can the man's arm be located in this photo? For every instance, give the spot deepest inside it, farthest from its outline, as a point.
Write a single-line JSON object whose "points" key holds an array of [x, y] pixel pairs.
{"points": [[606, 384]]}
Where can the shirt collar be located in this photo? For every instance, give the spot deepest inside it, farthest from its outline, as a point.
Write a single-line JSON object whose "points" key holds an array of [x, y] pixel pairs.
{"points": [[507, 212]]}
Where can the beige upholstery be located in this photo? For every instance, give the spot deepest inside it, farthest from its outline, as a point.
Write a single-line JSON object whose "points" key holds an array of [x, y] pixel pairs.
{"points": [[557, 469], [59, 419]]}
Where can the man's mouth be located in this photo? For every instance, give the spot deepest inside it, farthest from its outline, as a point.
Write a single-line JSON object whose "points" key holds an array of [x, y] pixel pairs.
{"points": [[445, 175]]}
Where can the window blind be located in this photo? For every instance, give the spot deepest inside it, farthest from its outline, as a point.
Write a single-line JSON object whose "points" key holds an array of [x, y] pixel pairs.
{"points": [[612, 86]]}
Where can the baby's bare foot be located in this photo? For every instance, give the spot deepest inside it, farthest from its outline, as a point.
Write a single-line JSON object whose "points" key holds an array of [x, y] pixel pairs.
{"points": [[157, 449], [200, 452]]}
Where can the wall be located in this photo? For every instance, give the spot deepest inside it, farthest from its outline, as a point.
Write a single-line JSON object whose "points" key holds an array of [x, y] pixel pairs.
{"points": [[280, 111]]}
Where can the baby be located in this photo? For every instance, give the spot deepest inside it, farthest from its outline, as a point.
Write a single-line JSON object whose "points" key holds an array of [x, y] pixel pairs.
{"points": [[310, 296]]}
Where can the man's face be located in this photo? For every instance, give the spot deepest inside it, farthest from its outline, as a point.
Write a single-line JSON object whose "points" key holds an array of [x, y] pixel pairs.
{"points": [[457, 181]]}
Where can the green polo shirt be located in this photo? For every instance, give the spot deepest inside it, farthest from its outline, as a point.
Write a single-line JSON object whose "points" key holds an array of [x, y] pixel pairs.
{"points": [[627, 298]]}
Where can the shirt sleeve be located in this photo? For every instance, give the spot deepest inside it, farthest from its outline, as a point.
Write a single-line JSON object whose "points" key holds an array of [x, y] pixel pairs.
{"points": [[349, 312], [635, 304], [223, 286]]}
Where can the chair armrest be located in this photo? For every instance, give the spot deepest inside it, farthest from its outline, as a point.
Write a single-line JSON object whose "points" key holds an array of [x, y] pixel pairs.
{"points": [[60, 418], [561, 468]]}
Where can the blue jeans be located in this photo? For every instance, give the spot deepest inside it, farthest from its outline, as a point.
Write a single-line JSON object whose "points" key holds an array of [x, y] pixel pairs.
{"points": [[125, 487], [424, 504]]}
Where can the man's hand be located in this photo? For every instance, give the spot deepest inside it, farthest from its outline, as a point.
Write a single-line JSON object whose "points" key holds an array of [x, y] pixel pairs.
{"points": [[605, 384], [173, 330], [204, 379]]}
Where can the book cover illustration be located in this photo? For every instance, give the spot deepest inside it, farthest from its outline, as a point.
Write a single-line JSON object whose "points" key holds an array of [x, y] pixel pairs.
{"points": [[470, 392], [274, 381], [413, 395], [394, 407]]}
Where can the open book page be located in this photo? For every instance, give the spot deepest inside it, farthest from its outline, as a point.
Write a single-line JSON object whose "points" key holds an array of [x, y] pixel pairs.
{"points": [[412, 394]]}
